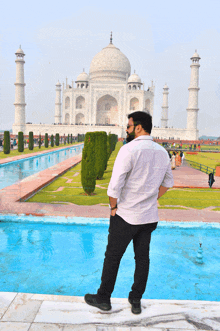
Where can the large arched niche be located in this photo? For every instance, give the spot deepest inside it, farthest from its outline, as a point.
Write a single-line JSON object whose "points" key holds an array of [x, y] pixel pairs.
{"points": [[67, 102], [107, 110], [80, 102], [80, 118], [134, 104], [147, 106], [67, 118]]}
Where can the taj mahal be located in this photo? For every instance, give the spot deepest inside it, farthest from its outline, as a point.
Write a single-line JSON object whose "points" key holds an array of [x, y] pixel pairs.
{"points": [[102, 99]]}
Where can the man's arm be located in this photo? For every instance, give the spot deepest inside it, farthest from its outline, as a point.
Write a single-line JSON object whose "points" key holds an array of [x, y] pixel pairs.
{"points": [[112, 202], [162, 191]]}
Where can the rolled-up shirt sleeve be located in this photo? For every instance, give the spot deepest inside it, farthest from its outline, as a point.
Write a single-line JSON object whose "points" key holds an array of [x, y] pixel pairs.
{"points": [[168, 178], [122, 165]]}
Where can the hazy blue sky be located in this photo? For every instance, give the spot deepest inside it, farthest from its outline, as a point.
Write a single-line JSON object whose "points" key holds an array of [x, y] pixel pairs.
{"points": [[158, 37]]}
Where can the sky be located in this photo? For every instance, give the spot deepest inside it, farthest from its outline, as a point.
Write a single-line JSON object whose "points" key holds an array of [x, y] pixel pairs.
{"points": [[158, 37]]}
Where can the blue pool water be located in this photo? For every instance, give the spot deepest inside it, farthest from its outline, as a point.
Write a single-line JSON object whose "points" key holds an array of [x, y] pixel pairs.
{"points": [[38, 255], [12, 172]]}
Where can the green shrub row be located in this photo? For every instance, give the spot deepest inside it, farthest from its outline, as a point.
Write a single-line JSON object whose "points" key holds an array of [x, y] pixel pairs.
{"points": [[96, 152], [80, 137]]}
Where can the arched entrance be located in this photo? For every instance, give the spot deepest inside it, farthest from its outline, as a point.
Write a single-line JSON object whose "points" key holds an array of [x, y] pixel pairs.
{"points": [[80, 119], [107, 110], [67, 118], [134, 104]]}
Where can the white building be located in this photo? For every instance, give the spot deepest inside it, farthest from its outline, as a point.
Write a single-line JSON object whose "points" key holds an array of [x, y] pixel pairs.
{"points": [[103, 99]]}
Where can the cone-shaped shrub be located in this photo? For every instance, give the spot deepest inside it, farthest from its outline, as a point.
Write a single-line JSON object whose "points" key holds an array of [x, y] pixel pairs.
{"points": [[100, 153], [71, 138], [52, 140], [64, 140], [6, 146], [57, 139], [20, 141], [31, 141], [46, 140], [88, 171], [68, 139], [39, 141]]}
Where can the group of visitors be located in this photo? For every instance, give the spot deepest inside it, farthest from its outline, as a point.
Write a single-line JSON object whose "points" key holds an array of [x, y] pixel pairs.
{"points": [[176, 159]]}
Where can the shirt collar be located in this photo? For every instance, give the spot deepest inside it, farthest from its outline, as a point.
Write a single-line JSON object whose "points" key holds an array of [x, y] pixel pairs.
{"points": [[144, 137]]}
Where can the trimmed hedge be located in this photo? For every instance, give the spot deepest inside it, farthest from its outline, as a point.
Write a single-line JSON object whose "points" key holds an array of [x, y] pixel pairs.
{"points": [[52, 140], [88, 171], [31, 141], [80, 137], [46, 140], [20, 142], [100, 153], [57, 139], [39, 141], [6, 146]]}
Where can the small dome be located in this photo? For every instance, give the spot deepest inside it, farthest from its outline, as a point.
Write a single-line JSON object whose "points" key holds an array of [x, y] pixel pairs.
{"points": [[83, 77], [195, 55], [58, 83], [165, 86], [19, 51], [134, 78]]}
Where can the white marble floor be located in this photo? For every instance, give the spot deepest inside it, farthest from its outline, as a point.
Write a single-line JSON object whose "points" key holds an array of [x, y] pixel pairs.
{"points": [[37, 312]]}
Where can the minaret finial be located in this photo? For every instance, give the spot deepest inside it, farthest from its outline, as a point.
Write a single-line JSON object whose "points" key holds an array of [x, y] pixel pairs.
{"points": [[83, 69], [20, 47], [134, 71], [111, 38]]}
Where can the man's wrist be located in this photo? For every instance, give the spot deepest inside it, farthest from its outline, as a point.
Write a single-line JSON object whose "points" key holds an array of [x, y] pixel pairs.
{"points": [[112, 208]]}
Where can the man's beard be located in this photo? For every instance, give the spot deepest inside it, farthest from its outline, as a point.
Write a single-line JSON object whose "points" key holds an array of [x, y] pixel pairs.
{"points": [[130, 136]]}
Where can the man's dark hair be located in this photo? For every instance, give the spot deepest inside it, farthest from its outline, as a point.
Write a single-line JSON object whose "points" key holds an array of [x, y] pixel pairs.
{"points": [[145, 119]]}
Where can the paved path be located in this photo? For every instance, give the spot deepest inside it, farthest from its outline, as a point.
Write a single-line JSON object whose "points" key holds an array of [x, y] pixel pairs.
{"points": [[38, 312], [185, 176]]}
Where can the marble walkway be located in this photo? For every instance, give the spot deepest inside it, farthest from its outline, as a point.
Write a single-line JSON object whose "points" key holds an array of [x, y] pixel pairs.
{"points": [[37, 312]]}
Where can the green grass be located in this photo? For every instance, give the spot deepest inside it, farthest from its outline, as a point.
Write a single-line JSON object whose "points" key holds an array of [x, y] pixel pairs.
{"points": [[14, 152], [193, 198], [208, 159], [73, 192], [216, 209]]}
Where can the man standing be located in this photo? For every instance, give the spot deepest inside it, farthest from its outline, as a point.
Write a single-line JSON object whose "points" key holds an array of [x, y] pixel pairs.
{"points": [[141, 174]]}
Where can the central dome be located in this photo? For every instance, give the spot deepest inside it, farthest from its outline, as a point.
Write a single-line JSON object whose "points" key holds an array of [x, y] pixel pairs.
{"points": [[109, 64]]}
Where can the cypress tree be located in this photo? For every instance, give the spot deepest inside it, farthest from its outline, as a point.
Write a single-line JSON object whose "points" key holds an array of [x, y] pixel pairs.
{"points": [[46, 140], [20, 141], [57, 139], [6, 146], [71, 138], [31, 141], [88, 171], [100, 153], [52, 140], [64, 140], [39, 141]]}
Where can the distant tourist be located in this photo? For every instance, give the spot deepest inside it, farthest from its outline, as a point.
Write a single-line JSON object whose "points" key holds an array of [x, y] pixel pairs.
{"points": [[124, 141], [134, 188], [173, 161], [178, 160]]}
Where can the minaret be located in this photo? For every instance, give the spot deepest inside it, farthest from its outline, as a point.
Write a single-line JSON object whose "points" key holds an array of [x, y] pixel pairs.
{"points": [[58, 103], [164, 115], [19, 103], [192, 109]]}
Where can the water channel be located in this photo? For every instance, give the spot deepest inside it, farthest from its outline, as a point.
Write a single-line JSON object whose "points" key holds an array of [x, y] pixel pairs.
{"points": [[12, 172]]}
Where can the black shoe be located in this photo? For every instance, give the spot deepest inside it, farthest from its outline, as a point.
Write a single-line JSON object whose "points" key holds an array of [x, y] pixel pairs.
{"points": [[95, 301], [135, 306]]}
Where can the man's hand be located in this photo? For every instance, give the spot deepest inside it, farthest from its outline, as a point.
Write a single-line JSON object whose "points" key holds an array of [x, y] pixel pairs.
{"points": [[113, 212]]}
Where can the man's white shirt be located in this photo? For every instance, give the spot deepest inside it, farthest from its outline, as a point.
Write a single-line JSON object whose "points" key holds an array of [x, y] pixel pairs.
{"points": [[140, 168]]}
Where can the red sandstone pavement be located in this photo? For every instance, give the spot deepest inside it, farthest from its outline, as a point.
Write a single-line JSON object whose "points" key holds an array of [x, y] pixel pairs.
{"points": [[11, 196]]}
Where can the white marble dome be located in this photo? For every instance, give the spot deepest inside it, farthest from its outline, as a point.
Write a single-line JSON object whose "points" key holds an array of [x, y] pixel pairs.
{"points": [[110, 64], [195, 55], [83, 77], [134, 78], [19, 51]]}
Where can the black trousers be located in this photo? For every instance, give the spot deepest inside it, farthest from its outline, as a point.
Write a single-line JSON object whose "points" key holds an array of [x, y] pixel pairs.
{"points": [[120, 235]]}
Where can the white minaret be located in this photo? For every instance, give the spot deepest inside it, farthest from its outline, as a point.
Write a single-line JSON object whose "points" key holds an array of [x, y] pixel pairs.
{"points": [[164, 115], [58, 103], [192, 109], [19, 103]]}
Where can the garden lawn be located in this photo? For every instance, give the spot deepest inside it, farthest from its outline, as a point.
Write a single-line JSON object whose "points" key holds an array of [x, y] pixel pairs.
{"points": [[15, 152], [72, 192], [208, 159], [193, 198]]}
